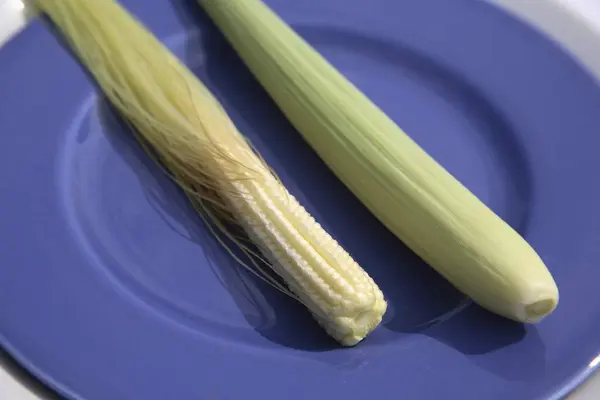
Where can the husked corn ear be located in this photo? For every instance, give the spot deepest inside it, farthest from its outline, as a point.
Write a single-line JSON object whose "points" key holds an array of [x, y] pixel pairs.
{"points": [[179, 122], [406, 189], [340, 294]]}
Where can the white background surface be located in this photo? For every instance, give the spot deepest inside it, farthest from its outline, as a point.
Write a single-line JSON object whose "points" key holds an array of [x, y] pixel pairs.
{"points": [[572, 23]]}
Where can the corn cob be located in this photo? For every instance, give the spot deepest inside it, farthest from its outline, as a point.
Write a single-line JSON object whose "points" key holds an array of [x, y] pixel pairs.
{"points": [[406, 189], [180, 123]]}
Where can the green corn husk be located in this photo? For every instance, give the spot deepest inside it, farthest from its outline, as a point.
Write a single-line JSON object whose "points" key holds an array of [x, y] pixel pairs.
{"points": [[406, 189]]}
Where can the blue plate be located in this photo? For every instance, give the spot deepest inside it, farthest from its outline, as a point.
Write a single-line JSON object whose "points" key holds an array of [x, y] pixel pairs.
{"points": [[110, 287]]}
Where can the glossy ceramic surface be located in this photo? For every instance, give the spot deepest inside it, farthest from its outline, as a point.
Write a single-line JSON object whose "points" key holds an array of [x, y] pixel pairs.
{"points": [[111, 288]]}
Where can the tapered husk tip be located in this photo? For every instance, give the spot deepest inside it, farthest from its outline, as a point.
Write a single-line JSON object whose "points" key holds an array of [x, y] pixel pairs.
{"points": [[532, 304], [538, 309]]}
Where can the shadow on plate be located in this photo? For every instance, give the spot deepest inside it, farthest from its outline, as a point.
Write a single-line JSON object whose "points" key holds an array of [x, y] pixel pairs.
{"points": [[506, 348]]}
